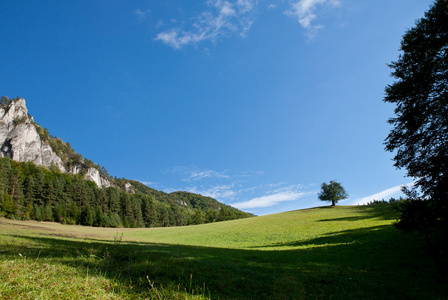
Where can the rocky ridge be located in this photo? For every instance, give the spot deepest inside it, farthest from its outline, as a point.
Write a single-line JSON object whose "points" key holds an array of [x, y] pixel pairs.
{"points": [[20, 141]]}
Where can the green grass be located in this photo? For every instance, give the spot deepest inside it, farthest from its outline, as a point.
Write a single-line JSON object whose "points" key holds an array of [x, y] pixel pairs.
{"points": [[344, 252]]}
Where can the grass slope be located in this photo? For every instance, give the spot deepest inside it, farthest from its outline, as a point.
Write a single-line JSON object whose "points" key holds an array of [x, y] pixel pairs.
{"points": [[344, 252]]}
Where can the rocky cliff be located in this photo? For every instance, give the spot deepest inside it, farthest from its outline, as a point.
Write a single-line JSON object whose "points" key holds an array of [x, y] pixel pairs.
{"points": [[20, 141], [94, 175]]}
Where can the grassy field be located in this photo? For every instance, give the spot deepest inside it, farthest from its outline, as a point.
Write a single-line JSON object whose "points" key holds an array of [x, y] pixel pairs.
{"points": [[343, 252]]}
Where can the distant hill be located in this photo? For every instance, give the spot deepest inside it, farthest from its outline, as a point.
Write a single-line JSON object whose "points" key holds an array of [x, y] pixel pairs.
{"points": [[44, 178]]}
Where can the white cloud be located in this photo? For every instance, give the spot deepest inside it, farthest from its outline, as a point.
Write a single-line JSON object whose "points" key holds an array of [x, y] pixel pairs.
{"points": [[248, 174], [386, 194], [228, 187], [223, 18], [206, 174], [177, 40], [271, 200], [141, 14], [216, 192], [271, 6], [305, 12], [194, 173], [148, 183]]}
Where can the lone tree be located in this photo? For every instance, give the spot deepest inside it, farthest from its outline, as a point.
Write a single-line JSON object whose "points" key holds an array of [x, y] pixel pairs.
{"points": [[332, 192], [420, 126]]}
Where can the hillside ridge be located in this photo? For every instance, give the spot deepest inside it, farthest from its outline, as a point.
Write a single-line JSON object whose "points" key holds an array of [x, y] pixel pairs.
{"points": [[24, 141]]}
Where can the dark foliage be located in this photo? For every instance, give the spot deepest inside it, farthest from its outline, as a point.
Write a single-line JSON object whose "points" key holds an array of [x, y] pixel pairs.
{"points": [[5, 102], [420, 128], [31, 192], [416, 214], [390, 201]]}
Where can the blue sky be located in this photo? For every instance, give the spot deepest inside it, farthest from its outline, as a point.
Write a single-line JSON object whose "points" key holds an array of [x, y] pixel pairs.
{"points": [[254, 103]]}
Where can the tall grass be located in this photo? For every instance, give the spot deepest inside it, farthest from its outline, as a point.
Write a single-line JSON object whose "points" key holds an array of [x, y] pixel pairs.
{"points": [[321, 253]]}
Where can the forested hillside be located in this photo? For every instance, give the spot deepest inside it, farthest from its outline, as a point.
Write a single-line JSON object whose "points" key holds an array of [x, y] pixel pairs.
{"points": [[78, 191], [31, 192]]}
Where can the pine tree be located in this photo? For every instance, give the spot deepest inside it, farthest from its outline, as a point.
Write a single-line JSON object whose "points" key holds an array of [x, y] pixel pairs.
{"points": [[16, 192], [50, 194], [30, 190], [39, 192], [114, 199]]}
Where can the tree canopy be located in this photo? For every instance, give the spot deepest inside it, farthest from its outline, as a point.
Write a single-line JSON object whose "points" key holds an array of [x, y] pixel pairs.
{"points": [[332, 192], [30, 192], [420, 126]]}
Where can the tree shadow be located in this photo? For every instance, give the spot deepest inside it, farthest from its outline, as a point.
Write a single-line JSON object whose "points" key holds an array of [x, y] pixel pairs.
{"points": [[350, 236], [371, 263], [358, 218], [385, 211], [364, 212]]}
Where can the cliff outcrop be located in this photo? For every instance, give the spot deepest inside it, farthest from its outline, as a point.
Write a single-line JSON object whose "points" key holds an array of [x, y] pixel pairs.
{"points": [[20, 141], [94, 175]]}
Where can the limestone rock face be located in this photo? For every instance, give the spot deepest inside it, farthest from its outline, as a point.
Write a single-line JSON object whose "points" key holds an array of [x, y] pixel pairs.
{"points": [[95, 176], [75, 170], [20, 141], [182, 203], [128, 188]]}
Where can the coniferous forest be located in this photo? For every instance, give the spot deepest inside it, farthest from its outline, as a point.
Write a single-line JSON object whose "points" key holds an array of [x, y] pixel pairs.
{"points": [[31, 192]]}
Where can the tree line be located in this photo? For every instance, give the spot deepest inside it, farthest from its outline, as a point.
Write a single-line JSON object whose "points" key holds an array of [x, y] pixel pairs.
{"points": [[419, 134], [390, 201], [31, 192]]}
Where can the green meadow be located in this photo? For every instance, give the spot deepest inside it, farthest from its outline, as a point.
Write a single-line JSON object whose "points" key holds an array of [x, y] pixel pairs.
{"points": [[342, 252]]}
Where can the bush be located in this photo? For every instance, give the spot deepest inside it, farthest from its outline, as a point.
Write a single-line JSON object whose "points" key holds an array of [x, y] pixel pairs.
{"points": [[48, 213], [8, 207], [115, 221], [416, 214], [37, 213], [105, 221], [18, 121], [70, 221], [87, 216]]}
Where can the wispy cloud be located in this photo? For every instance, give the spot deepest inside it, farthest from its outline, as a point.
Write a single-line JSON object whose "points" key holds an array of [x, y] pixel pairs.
{"points": [[195, 174], [206, 174], [222, 18], [274, 194], [305, 12], [141, 14], [148, 183], [248, 174], [221, 185], [271, 200], [230, 187], [216, 192], [394, 191], [151, 184]]}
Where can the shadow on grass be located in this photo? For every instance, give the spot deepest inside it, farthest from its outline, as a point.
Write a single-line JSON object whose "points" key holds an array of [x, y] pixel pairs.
{"points": [[358, 218], [371, 263], [364, 212], [363, 235]]}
